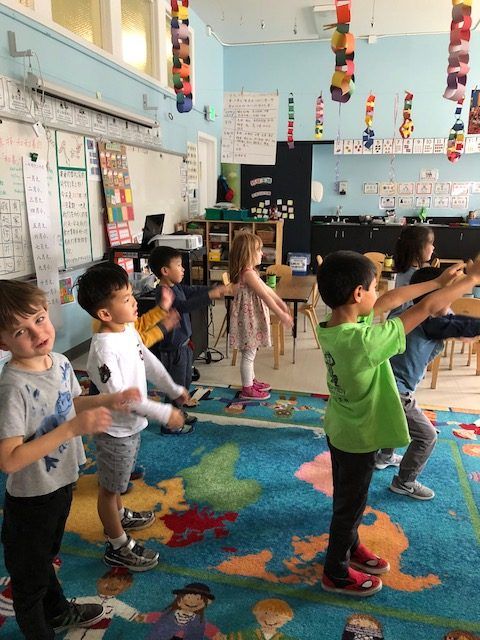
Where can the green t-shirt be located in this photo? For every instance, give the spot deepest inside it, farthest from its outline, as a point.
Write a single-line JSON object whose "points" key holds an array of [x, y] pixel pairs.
{"points": [[364, 412]]}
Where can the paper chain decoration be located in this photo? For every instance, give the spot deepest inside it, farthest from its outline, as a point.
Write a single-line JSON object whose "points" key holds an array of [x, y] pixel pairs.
{"points": [[319, 118], [181, 55], [456, 137], [458, 50], [343, 44], [406, 128], [369, 133], [291, 120]]}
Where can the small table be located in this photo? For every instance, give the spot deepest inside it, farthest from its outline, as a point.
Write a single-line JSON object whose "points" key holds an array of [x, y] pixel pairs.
{"points": [[294, 289]]}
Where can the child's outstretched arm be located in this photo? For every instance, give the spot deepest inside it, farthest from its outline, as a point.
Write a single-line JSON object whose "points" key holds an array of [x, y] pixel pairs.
{"points": [[16, 453], [396, 297], [432, 304], [255, 283], [118, 401]]}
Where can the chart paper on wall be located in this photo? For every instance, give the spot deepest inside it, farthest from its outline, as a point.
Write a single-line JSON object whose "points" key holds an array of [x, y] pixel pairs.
{"points": [[250, 128]]}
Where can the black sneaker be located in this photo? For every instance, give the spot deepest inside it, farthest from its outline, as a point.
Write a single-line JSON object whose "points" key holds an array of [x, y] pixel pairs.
{"points": [[78, 615], [135, 520], [132, 556]]}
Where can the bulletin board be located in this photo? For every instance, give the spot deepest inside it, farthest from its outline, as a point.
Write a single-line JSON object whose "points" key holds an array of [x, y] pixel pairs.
{"points": [[76, 200]]}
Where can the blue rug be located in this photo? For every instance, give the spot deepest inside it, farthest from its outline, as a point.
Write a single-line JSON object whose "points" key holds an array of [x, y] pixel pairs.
{"points": [[243, 514]]}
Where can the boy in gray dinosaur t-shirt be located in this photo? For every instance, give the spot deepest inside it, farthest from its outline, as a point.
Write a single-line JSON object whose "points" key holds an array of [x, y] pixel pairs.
{"points": [[42, 419]]}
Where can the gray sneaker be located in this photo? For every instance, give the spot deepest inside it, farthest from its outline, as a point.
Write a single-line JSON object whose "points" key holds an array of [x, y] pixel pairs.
{"points": [[391, 461], [135, 520], [78, 615], [413, 489], [132, 556]]}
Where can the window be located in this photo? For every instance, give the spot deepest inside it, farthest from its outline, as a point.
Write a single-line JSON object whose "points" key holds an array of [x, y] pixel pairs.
{"points": [[137, 34], [82, 17]]}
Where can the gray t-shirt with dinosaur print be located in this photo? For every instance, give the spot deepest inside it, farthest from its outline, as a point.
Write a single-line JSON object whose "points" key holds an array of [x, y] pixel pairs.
{"points": [[33, 403]]}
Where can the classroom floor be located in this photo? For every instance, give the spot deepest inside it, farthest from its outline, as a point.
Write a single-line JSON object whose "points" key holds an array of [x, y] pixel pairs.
{"points": [[459, 387]]}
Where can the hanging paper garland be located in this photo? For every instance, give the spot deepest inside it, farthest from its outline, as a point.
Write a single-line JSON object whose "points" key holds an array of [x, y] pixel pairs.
{"points": [[181, 55], [406, 128], [456, 138], [343, 44], [458, 50], [369, 133], [291, 120], [319, 117]]}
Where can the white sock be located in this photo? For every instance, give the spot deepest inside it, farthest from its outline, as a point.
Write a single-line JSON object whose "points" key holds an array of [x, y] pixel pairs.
{"points": [[121, 512], [119, 542]]}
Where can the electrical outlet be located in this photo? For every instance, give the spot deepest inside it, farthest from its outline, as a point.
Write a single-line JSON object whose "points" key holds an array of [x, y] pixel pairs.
{"points": [[98, 95], [342, 187], [38, 128]]}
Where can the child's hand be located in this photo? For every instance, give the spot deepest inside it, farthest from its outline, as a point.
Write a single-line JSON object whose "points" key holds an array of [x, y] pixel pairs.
{"points": [[473, 269], [92, 421], [286, 319], [171, 321], [450, 274], [121, 400], [183, 398], [283, 305], [176, 420], [167, 298], [217, 292]]}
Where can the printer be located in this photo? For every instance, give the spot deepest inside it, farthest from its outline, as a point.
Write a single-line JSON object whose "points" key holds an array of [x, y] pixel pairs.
{"points": [[187, 241]]}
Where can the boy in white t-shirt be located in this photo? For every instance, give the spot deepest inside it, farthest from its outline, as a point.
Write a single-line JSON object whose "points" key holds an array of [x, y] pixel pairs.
{"points": [[118, 359]]}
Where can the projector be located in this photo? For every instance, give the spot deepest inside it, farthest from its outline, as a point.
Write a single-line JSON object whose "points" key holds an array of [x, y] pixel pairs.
{"points": [[192, 241]]}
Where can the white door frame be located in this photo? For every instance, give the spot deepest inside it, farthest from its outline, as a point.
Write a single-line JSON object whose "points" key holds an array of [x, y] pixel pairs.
{"points": [[209, 198]]}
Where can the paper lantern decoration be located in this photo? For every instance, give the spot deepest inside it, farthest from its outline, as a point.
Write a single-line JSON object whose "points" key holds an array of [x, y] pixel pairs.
{"points": [[319, 118], [406, 128], [456, 137], [369, 133], [343, 44], [291, 120], [458, 50], [181, 55]]}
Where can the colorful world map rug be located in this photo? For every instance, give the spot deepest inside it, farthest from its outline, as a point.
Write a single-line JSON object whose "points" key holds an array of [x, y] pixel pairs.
{"points": [[242, 517]]}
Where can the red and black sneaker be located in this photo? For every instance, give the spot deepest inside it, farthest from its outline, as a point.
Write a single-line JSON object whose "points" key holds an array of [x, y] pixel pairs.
{"points": [[365, 560], [356, 584]]}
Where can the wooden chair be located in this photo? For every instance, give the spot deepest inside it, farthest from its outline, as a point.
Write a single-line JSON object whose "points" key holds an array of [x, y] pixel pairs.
{"points": [[463, 307], [223, 328], [309, 309]]}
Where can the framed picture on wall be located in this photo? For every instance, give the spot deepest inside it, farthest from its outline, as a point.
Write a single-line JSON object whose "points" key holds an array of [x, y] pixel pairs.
{"points": [[424, 188], [370, 188], [387, 188], [459, 202], [387, 202], [442, 188], [423, 201], [441, 202], [405, 202], [406, 188], [460, 188], [475, 187]]}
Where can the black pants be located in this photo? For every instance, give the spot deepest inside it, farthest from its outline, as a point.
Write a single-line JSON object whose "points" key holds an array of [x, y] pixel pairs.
{"points": [[352, 473], [178, 363], [32, 533]]}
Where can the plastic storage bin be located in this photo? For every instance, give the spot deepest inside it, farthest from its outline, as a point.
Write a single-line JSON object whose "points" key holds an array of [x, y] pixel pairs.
{"points": [[235, 214], [213, 214], [299, 263], [266, 234]]}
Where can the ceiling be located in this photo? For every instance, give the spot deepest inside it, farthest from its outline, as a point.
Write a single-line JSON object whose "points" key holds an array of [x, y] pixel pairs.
{"points": [[237, 22]]}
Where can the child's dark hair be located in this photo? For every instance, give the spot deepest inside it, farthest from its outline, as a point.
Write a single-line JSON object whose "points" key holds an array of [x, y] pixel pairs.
{"points": [[161, 257], [409, 246], [98, 283], [19, 298], [340, 274], [424, 275]]}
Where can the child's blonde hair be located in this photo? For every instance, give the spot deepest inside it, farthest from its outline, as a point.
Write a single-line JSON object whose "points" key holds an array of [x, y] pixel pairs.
{"points": [[273, 604], [19, 298], [242, 253]]}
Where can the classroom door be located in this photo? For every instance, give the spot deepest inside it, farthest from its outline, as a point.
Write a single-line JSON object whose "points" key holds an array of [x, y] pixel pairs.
{"points": [[207, 171]]}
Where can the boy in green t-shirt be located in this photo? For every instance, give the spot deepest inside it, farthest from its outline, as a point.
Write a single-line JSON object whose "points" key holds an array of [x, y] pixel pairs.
{"points": [[362, 392]]}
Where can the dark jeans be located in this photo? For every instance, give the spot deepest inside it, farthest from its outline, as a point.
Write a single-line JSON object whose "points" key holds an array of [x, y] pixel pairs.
{"points": [[32, 533], [352, 473], [178, 363]]}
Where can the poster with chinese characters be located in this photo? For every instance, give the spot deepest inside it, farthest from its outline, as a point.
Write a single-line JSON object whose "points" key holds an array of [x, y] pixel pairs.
{"points": [[75, 216], [44, 246], [250, 123]]}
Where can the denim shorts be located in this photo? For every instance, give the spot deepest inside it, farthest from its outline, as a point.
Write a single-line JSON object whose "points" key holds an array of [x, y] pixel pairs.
{"points": [[116, 458]]}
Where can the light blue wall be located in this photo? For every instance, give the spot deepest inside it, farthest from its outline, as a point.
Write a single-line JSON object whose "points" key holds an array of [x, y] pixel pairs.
{"points": [[69, 64], [392, 65]]}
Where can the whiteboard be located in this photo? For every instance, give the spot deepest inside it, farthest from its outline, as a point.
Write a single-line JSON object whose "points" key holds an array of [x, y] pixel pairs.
{"points": [[156, 179], [156, 187]]}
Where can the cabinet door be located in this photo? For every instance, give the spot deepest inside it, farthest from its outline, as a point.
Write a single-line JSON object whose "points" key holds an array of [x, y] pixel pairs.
{"points": [[470, 240], [322, 241]]}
